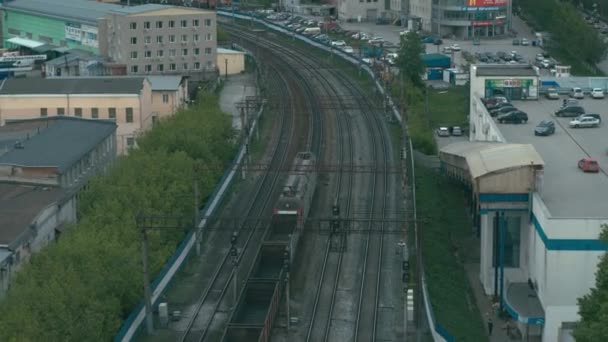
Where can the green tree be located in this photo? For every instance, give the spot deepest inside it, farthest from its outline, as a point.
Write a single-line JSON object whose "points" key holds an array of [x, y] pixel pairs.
{"points": [[409, 60], [593, 307]]}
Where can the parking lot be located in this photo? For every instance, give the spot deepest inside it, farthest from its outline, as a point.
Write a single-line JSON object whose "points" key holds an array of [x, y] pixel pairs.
{"points": [[566, 190]]}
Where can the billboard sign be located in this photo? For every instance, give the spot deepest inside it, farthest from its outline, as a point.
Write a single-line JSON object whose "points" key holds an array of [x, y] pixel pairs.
{"points": [[82, 34], [509, 83], [486, 3]]}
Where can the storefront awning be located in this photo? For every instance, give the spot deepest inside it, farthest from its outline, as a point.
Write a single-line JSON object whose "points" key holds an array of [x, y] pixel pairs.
{"points": [[28, 43]]}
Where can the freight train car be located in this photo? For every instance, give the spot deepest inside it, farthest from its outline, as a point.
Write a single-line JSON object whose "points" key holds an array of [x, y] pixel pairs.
{"points": [[254, 316]]}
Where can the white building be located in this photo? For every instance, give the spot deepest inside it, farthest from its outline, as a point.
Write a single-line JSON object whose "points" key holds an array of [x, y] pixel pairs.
{"points": [[364, 10], [539, 219]]}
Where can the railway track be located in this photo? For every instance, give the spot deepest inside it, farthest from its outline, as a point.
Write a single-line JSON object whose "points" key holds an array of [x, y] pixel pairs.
{"points": [[366, 320], [207, 314]]}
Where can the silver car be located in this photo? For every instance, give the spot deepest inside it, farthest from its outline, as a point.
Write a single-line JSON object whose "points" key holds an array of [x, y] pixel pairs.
{"points": [[584, 121], [443, 132]]}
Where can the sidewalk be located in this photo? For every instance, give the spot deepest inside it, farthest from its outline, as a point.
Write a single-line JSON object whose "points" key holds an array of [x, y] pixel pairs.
{"points": [[484, 303], [236, 89]]}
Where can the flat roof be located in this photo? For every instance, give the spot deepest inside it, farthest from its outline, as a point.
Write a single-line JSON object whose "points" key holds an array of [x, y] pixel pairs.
{"points": [[505, 70], [77, 85], [223, 51], [54, 141], [567, 191], [84, 11], [157, 82], [19, 206]]}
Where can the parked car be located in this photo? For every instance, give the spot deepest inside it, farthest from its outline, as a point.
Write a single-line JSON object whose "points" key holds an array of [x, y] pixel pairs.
{"points": [[525, 42], [596, 116], [552, 94], [491, 101], [376, 40], [456, 131], [516, 116], [545, 127], [503, 110], [539, 57], [570, 111], [597, 93], [443, 132], [588, 165], [338, 43], [498, 105], [348, 49], [515, 41], [577, 93], [569, 102], [447, 49], [455, 47], [584, 121]]}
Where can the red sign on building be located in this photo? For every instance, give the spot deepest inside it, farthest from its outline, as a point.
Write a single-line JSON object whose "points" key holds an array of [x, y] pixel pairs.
{"points": [[486, 3]]}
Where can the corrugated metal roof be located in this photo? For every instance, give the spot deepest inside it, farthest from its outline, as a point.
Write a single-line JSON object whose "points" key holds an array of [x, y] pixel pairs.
{"points": [[222, 51], [80, 85], [164, 82], [505, 70], [83, 11], [61, 142], [484, 157]]}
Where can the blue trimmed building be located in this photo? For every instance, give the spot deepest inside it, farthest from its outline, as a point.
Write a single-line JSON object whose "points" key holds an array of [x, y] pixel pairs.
{"points": [[539, 243]]}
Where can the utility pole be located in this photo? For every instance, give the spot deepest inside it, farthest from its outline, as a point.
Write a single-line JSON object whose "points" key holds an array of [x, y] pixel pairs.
{"points": [[235, 263], [199, 233], [286, 264], [147, 291]]}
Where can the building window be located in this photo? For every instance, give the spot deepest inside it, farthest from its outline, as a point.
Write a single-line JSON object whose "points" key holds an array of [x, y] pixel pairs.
{"points": [[60, 111], [207, 22], [185, 66], [43, 112], [147, 25], [195, 22], [148, 67], [78, 112], [134, 69], [197, 51], [148, 54], [195, 38], [172, 38], [184, 38], [147, 40], [159, 39], [160, 53], [171, 23], [184, 52], [184, 23], [172, 67], [95, 113], [129, 114], [133, 40], [209, 37], [207, 51], [165, 98], [160, 67], [512, 227], [197, 65], [112, 113], [172, 53], [133, 54], [159, 24], [130, 141], [133, 26]]}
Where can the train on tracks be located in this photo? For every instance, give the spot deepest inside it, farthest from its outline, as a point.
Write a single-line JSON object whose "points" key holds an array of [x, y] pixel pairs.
{"points": [[258, 304]]}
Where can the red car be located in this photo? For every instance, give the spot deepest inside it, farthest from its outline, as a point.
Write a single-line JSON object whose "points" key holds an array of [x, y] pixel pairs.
{"points": [[588, 165]]}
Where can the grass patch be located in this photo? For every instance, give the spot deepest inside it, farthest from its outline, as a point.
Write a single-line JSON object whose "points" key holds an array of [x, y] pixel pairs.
{"points": [[448, 107], [446, 242]]}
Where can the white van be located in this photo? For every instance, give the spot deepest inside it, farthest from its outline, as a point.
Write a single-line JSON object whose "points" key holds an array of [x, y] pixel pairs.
{"points": [[311, 30]]}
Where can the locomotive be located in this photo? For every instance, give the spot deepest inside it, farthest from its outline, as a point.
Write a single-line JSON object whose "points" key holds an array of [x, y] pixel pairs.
{"points": [[299, 189]]}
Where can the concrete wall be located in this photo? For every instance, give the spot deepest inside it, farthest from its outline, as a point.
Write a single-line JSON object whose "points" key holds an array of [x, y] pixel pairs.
{"points": [[231, 63], [422, 9], [120, 32], [482, 126], [165, 102]]}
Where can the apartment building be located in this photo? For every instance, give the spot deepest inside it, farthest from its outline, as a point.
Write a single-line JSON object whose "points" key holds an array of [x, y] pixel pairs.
{"points": [[163, 40], [126, 101]]}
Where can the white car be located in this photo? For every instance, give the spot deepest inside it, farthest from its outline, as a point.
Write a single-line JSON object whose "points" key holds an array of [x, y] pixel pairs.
{"points": [[455, 47], [597, 93], [584, 121], [447, 49], [360, 36], [525, 42], [443, 132], [376, 40], [348, 49], [338, 43], [577, 93]]}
